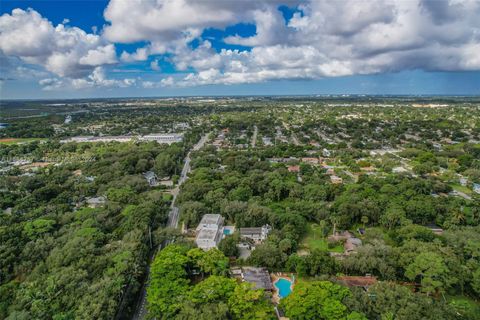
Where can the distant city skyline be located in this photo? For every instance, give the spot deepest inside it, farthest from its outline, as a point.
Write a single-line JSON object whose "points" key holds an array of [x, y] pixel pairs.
{"points": [[101, 49]]}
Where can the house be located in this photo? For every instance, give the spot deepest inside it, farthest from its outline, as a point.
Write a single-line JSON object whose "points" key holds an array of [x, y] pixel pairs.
{"points": [[435, 229], [209, 231], [311, 161], [151, 178], [267, 141], [476, 187], [340, 236], [336, 179], [258, 276], [351, 245], [293, 168], [330, 171], [399, 170], [256, 234], [96, 202]]}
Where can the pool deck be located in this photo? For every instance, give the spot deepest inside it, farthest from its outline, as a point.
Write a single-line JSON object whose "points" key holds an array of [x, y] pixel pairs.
{"points": [[275, 277]]}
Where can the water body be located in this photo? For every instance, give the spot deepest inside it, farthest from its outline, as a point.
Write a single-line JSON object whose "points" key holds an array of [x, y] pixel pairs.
{"points": [[284, 287]]}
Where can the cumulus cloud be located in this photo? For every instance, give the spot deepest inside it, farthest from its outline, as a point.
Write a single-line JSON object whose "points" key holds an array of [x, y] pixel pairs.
{"points": [[323, 39], [62, 50], [339, 38], [97, 79]]}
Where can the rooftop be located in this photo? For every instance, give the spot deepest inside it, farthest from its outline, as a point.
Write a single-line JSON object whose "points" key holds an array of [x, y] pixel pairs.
{"points": [[210, 219], [258, 276]]}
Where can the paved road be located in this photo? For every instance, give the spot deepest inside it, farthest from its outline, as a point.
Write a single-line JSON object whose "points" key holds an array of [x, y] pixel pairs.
{"points": [[173, 218], [254, 137]]}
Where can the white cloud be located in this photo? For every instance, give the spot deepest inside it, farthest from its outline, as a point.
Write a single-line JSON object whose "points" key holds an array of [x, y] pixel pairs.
{"points": [[100, 56], [141, 54], [327, 39], [97, 79], [154, 65], [64, 51], [339, 38]]}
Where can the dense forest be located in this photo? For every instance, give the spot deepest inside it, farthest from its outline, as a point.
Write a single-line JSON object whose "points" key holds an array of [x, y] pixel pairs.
{"points": [[60, 258], [82, 230]]}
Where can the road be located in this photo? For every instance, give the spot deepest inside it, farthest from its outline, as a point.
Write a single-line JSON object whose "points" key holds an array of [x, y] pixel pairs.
{"points": [[254, 137], [173, 218]]}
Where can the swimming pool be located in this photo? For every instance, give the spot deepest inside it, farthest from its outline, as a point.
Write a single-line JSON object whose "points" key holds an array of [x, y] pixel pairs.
{"points": [[284, 287], [226, 232]]}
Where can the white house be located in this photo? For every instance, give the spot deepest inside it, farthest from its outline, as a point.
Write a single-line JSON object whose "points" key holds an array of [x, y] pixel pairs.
{"points": [[209, 231], [476, 187], [151, 178], [258, 234]]}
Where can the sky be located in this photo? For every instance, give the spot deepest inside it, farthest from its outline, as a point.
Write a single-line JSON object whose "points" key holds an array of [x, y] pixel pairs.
{"points": [[120, 48]]}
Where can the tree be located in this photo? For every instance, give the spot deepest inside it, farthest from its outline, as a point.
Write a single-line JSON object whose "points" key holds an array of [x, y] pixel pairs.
{"points": [[433, 273], [246, 303], [267, 255], [192, 212], [164, 164], [364, 220], [228, 246], [476, 281], [212, 289], [212, 261], [316, 300], [320, 262], [393, 216], [388, 300], [168, 284]]}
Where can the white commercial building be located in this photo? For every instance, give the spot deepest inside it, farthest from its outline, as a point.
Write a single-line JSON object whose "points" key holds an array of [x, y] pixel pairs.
{"points": [[209, 231], [168, 138]]}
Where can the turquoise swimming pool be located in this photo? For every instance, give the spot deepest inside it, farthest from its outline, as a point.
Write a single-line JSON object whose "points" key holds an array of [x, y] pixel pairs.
{"points": [[284, 287], [226, 232]]}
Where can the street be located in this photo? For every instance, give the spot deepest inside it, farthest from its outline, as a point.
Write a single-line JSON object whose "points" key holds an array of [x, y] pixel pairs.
{"points": [[173, 218]]}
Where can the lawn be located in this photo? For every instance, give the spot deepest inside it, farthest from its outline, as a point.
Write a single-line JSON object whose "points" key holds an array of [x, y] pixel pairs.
{"points": [[19, 140], [314, 239], [466, 306], [461, 189]]}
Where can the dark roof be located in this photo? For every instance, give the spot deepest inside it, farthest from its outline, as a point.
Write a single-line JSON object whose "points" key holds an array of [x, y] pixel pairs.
{"points": [[258, 276], [250, 230]]}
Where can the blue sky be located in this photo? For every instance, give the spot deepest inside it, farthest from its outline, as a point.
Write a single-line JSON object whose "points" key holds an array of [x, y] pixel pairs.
{"points": [[94, 48]]}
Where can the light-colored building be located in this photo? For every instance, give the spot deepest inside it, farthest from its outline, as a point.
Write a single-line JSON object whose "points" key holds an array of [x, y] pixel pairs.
{"points": [[167, 138], [399, 170], [209, 231], [293, 168], [96, 202], [336, 179], [351, 244], [476, 187], [312, 161], [257, 234], [151, 178]]}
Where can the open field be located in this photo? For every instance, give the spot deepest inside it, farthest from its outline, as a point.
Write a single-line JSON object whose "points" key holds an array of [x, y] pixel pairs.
{"points": [[463, 189], [466, 306], [314, 239], [19, 140]]}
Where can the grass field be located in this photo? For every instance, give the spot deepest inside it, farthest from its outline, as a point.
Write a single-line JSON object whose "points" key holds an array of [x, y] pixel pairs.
{"points": [[19, 140], [461, 189], [314, 239], [466, 306]]}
